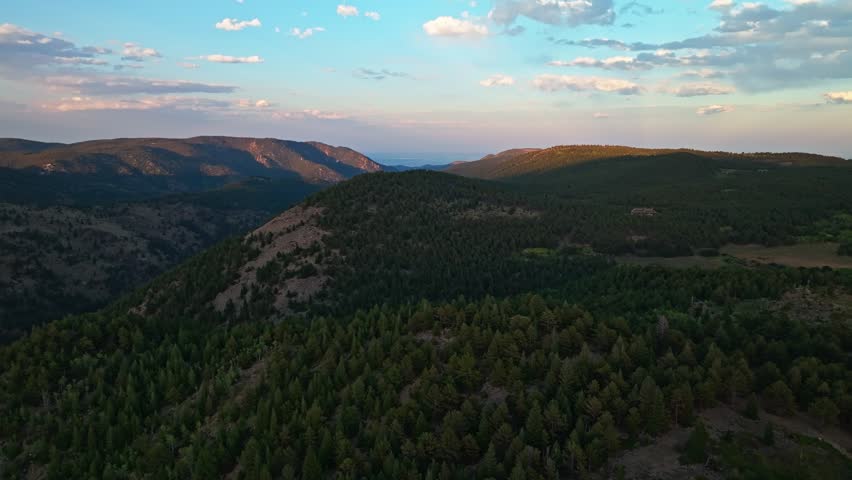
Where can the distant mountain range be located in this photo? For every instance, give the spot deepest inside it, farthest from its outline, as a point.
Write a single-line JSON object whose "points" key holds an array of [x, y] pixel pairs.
{"points": [[536, 161], [232, 157], [428, 166]]}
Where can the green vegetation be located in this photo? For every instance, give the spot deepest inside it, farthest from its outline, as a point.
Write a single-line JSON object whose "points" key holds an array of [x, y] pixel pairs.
{"points": [[540, 252], [62, 260], [798, 459], [461, 335]]}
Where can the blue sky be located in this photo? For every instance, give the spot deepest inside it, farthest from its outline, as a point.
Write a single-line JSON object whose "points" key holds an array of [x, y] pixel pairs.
{"points": [[436, 76]]}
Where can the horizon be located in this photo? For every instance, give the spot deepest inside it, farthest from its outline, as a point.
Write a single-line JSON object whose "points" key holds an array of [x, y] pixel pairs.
{"points": [[436, 158], [435, 78]]}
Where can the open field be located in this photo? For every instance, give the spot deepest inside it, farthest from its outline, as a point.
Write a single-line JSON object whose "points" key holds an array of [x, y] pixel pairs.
{"points": [[810, 255], [673, 262]]}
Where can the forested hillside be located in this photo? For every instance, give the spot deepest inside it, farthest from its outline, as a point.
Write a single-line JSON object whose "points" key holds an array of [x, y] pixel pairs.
{"points": [[524, 387], [432, 326], [57, 259], [519, 162]]}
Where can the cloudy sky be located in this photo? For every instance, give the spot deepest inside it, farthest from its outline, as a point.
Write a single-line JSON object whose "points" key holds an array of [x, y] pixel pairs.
{"points": [[434, 75]]}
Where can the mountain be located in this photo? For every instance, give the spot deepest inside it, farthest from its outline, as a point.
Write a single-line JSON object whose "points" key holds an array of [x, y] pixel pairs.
{"points": [[428, 166], [229, 157], [401, 237], [57, 260], [17, 145], [531, 162], [427, 325]]}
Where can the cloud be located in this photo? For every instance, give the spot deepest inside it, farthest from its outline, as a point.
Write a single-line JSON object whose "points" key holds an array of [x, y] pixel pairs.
{"points": [[259, 104], [722, 5], [133, 52], [612, 63], [498, 80], [22, 49], [306, 33], [373, 15], [80, 104], [454, 27], [188, 65], [217, 58], [235, 25], [134, 66], [207, 106], [554, 12], [112, 85], [839, 97], [600, 115], [703, 73], [367, 74], [310, 114], [714, 110], [761, 47], [80, 61], [703, 89], [554, 83], [638, 9], [347, 11]]}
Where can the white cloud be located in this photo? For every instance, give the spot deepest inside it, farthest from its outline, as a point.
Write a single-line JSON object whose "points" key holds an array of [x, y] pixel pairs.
{"points": [[234, 25], [369, 74], [81, 104], [498, 80], [22, 50], [721, 4], [838, 97], [611, 63], [307, 32], [761, 47], [373, 15], [703, 73], [714, 110], [703, 89], [217, 58], [136, 53], [454, 27], [554, 12], [310, 114], [114, 85], [347, 11], [553, 83], [262, 103]]}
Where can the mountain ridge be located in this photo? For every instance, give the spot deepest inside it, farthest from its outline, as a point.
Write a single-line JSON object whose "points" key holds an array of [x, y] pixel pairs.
{"points": [[519, 162], [202, 156]]}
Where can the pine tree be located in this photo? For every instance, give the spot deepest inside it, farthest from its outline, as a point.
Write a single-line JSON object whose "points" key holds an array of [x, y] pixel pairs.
{"points": [[752, 409], [768, 434], [534, 433], [311, 468], [697, 445]]}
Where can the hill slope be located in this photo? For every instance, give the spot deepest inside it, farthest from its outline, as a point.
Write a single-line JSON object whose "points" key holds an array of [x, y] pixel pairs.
{"points": [[528, 162], [18, 145], [401, 237], [403, 366], [56, 260], [193, 157]]}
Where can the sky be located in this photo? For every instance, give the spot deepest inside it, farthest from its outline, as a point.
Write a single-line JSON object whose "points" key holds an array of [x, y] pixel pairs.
{"points": [[446, 78]]}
